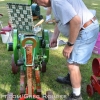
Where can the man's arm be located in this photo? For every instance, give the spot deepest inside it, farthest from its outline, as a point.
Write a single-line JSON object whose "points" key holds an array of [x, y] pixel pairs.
{"points": [[53, 40], [56, 31], [73, 34], [74, 29]]}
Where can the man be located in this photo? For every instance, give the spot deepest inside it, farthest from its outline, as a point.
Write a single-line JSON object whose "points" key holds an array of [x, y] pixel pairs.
{"points": [[48, 14], [76, 22]]}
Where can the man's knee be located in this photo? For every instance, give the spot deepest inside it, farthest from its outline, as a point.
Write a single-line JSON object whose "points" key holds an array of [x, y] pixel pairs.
{"points": [[73, 67]]}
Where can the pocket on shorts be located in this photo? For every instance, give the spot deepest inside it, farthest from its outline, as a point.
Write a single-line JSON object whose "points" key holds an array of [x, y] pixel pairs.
{"points": [[85, 39], [88, 36], [92, 39]]}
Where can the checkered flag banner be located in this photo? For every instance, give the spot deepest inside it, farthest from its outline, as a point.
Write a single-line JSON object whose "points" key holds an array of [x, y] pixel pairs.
{"points": [[20, 16]]}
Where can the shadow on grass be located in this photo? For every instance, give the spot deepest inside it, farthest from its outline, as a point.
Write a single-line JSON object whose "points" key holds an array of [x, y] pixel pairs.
{"points": [[55, 67]]}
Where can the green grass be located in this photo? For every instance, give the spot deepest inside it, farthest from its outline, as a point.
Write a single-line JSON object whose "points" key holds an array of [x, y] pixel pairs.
{"points": [[55, 67]]}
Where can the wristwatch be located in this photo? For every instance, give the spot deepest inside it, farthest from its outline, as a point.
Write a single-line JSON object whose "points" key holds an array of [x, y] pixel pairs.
{"points": [[69, 44]]}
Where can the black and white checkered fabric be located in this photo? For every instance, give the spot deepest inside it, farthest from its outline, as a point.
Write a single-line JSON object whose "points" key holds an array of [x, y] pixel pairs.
{"points": [[20, 16]]}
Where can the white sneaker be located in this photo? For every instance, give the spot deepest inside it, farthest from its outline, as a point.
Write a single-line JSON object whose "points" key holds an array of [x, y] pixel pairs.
{"points": [[48, 19]]}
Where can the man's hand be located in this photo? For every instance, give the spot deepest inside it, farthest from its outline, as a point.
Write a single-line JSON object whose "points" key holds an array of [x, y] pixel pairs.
{"points": [[67, 51], [53, 42]]}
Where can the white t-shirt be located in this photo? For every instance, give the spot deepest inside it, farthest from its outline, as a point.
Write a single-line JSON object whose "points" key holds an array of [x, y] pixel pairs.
{"points": [[65, 10]]}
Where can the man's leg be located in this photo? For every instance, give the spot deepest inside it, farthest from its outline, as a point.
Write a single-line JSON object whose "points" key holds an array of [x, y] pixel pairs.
{"points": [[75, 77]]}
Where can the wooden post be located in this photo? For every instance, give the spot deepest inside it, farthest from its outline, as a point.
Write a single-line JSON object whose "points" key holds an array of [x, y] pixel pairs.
{"points": [[29, 69]]}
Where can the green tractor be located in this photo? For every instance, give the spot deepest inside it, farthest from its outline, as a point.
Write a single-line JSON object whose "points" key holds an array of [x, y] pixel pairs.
{"points": [[30, 52]]}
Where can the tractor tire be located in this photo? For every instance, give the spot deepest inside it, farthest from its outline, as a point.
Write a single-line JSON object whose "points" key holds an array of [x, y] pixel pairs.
{"points": [[43, 69], [15, 68]]}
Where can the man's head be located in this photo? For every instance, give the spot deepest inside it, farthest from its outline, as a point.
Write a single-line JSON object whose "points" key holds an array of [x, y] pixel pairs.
{"points": [[45, 3]]}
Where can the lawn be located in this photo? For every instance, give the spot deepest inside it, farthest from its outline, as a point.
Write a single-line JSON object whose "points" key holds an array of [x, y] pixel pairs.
{"points": [[55, 67]]}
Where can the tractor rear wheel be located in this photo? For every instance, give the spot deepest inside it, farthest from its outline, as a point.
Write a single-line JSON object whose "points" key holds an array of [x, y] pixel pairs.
{"points": [[43, 69], [14, 66]]}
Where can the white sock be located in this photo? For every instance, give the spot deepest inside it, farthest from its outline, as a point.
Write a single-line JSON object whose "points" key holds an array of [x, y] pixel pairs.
{"points": [[48, 17], [77, 91]]}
